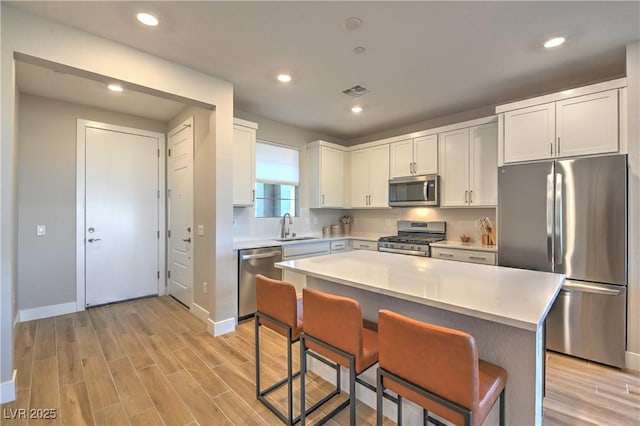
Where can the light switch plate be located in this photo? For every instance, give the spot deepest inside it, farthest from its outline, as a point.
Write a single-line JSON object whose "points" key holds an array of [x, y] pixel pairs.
{"points": [[41, 230], [201, 230]]}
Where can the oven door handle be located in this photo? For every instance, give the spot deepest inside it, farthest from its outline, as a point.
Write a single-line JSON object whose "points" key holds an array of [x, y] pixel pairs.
{"points": [[400, 251]]}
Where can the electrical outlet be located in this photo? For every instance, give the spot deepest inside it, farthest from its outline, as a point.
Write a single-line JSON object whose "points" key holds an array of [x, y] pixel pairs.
{"points": [[353, 220], [201, 230], [205, 287], [41, 230]]}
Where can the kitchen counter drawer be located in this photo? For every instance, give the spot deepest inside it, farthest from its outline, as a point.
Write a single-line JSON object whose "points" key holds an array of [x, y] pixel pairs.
{"points": [[364, 245], [339, 245], [471, 256]]}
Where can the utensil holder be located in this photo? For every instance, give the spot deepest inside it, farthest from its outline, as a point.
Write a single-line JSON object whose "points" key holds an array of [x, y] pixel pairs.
{"points": [[346, 228]]}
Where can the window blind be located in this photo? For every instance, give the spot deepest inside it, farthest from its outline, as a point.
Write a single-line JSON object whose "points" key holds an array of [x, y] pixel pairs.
{"points": [[277, 164]]}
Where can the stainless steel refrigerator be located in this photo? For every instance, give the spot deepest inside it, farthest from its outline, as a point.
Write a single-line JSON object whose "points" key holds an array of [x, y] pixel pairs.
{"points": [[570, 217]]}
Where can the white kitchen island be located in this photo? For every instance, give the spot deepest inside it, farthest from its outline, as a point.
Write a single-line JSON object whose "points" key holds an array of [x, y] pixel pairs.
{"points": [[503, 308]]}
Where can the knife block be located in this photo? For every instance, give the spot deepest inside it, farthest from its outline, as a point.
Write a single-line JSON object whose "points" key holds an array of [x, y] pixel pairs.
{"points": [[490, 238]]}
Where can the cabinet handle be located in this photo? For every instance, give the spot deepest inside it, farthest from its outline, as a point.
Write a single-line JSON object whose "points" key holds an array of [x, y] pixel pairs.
{"points": [[551, 148], [471, 196], [415, 168], [253, 195], [411, 167], [323, 199], [445, 255], [466, 196], [558, 146], [477, 258], [364, 246]]}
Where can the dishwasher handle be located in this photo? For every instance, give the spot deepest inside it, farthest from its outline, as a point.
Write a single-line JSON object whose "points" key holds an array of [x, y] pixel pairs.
{"points": [[261, 255]]}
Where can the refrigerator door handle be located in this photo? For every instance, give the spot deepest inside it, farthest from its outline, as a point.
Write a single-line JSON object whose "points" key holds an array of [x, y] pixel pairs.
{"points": [[589, 288], [550, 217], [559, 240]]}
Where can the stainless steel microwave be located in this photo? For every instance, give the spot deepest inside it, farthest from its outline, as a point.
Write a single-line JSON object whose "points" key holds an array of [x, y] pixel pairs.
{"points": [[414, 191]]}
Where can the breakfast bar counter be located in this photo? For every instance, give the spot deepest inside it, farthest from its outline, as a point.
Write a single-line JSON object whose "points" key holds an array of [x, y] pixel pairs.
{"points": [[503, 308]]}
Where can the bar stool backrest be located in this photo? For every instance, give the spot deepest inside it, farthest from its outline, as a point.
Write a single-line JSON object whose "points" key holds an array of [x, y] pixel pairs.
{"points": [[335, 320], [277, 299], [441, 360]]}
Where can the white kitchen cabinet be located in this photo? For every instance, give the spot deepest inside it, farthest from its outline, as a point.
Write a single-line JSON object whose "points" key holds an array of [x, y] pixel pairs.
{"points": [[338, 246], [301, 251], [326, 175], [468, 165], [244, 162], [529, 133], [575, 126], [364, 245], [472, 256], [587, 125], [417, 156], [370, 177]]}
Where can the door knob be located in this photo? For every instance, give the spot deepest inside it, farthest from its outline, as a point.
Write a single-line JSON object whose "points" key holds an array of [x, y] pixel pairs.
{"points": [[93, 240], [187, 240]]}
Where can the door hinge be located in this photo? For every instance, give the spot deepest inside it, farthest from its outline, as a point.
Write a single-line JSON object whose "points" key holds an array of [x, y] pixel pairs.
{"points": [[168, 274], [168, 193], [158, 234], [158, 194], [158, 274], [169, 152], [169, 233], [158, 153]]}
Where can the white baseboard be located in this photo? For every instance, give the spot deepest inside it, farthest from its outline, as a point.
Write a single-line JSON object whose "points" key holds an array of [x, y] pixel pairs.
{"points": [[47, 311], [218, 328], [8, 389], [632, 361], [199, 312]]}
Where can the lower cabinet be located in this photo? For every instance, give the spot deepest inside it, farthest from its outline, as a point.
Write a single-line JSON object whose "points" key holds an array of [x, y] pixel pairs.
{"points": [[472, 256], [300, 251], [364, 245]]}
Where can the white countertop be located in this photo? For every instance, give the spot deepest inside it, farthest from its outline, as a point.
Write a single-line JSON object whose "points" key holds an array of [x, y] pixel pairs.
{"points": [[471, 245], [269, 242], [515, 297]]}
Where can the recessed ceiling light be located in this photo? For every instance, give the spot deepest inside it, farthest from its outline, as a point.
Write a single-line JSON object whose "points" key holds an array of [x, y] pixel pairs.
{"points": [[115, 87], [356, 109], [284, 78], [554, 42], [147, 19]]}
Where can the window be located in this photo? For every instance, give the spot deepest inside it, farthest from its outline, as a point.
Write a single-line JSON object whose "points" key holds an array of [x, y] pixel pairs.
{"points": [[277, 180]]}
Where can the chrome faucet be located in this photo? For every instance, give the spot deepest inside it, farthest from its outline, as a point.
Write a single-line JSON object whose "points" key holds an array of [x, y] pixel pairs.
{"points": [[285, 230]]}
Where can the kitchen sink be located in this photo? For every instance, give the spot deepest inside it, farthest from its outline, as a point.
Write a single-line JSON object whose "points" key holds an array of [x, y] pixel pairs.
{"points": [[296, 238]]}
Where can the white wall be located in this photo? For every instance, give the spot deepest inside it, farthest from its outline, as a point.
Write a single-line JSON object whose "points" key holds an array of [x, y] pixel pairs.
{"points": [[47, 195], [633, 129], [46, 40]]}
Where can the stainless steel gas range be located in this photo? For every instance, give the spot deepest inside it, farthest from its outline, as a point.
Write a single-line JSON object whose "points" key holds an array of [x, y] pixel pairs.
{"points": [[414, 238]]}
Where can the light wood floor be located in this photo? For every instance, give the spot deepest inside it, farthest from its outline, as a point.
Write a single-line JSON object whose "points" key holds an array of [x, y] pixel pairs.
{"points": [[150, 362]]}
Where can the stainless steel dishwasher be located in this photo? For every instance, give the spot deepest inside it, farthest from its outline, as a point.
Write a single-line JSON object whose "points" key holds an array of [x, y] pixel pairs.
{"points": [[252, 262]]}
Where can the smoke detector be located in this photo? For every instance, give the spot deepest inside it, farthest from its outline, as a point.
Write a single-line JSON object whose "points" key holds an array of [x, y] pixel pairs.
{"points": [[355, 91]]}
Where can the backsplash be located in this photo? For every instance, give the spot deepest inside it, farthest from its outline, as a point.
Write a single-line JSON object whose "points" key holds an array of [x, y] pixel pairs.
{"points": [[459, 221], [248, 227]]}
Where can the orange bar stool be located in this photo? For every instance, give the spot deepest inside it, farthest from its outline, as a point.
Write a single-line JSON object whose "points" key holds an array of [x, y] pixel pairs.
{"points": [[438, 369], [279, 310], [333, 328]]}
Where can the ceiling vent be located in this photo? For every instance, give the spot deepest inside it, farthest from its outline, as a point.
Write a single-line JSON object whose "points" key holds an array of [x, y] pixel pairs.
{"points": [[355, 91]]}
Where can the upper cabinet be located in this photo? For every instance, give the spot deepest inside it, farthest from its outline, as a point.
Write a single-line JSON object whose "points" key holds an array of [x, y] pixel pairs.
{"points": [[370, 177], [468, 166], [244, 162], [417, 156], [577, 122], [326, 175]]}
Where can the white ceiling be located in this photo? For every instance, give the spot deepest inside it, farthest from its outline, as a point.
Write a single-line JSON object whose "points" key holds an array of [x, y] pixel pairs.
{"points": [[423, 60], [46, 82]]}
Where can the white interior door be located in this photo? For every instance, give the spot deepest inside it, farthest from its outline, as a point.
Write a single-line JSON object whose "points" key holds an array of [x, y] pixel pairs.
{"points": [[122, 217], [180, 161]]}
